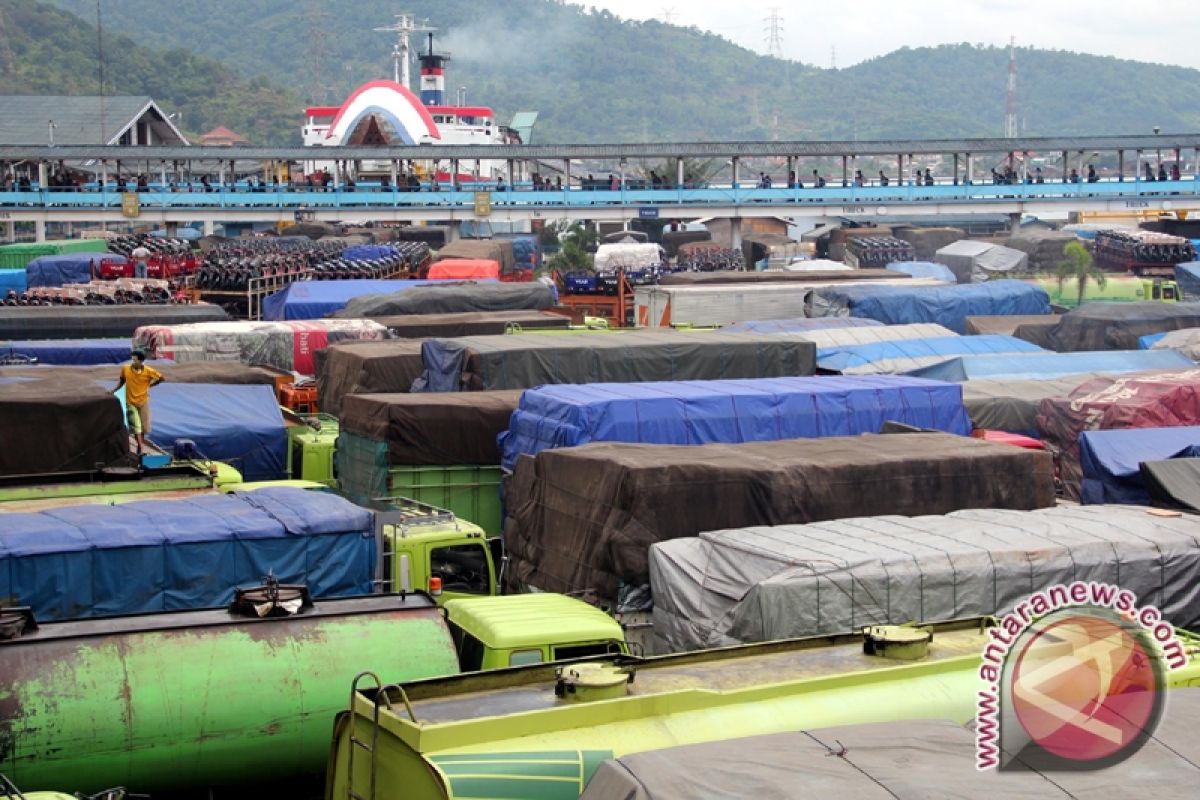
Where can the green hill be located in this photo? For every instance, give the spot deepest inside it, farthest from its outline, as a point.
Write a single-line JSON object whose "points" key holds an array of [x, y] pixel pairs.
{"points": [[44, 50], [595, 77]]}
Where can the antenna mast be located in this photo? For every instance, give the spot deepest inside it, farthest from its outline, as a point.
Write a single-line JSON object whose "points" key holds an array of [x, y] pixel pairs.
{"points": [[404, 25], [1010, 116]]}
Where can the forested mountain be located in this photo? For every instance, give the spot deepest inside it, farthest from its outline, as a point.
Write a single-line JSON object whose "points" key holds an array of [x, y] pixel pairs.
{"points": [[595, 77], [44, 50]]}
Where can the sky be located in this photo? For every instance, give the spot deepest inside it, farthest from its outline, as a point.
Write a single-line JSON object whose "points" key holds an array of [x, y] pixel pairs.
{"points": [[824, 34]]}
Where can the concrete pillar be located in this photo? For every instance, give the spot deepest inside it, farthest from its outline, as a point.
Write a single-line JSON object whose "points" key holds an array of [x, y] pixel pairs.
{"points": [[392, 168], [172, 228], [39, 230], [735, 235], [566, 174], [10, 231], [455, 231], [845, 171], [970, 169], [679, 173], [209, 227], [68, 230], [512, 176], [454, 178], [1014, 223], [42, 177], [1120, 166], [735, 176], [900, 170], [956, 169]]}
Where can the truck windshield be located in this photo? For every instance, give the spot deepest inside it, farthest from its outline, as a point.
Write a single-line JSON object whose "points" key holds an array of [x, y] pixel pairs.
{"points": [[462, 568], [585, 650]]}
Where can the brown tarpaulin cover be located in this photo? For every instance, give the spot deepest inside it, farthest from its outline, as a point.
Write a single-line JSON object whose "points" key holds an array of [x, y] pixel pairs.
{"points": [[583, 518], [439, 429], [56, 424], [1116, 326], [498, 250], [779, 276], [364, 367], [469, 323], [1140, 400], [1005, 325]]}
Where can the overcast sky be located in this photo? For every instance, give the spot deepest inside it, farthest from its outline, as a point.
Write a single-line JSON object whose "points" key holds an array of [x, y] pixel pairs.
{"points": [[1159, 31]]}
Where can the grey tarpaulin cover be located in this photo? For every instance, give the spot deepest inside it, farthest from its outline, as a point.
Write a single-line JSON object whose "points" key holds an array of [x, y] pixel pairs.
{"points": [[1174, 483], [97, 322], [455, 298], [976, 261], [1013, 405], [524, 361], [362, 367], [907, 760], [55, 424], [759, 583], [840, 337], [583, 518], [777, 276], [1185, 341], [469, 323], [445, 429], [1006, 325], [1116, 326]]}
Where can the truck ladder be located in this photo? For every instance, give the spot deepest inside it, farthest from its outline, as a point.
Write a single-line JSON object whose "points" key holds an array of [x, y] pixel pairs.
{"points": [[355, 742]]}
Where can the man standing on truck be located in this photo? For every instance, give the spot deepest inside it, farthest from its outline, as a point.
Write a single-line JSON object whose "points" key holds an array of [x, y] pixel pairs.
{"points": [[137, 378], [140, 256]]}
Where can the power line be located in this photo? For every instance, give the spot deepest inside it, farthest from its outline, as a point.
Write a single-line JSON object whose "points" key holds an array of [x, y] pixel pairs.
{"points": [[774, 34]]}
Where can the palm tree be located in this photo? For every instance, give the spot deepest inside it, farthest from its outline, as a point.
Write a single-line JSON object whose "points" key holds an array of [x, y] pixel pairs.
{"points": [[1078, 265]]}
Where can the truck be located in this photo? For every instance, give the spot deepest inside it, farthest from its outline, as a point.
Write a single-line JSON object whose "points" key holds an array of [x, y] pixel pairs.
{"points": [[542, 731], [248, 694]]}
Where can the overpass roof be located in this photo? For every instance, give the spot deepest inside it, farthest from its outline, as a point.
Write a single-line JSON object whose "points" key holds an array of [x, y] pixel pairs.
{"points": [[77, 120], [654, 150]]}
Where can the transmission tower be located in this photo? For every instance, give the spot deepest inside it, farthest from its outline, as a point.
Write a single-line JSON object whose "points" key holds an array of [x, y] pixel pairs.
{"points": [[833, 56], [774, 34], [1010, 115], [7, 61], [404, 25], [668, 15], [317, 19]]}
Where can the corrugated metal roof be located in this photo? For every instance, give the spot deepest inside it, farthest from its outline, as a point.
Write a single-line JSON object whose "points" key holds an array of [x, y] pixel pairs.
{"points": [[76, 119]]}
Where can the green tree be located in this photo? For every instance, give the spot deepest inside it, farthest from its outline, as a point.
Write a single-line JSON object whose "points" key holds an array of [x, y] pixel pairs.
{"points": [[1079, 266], [577, 241]]}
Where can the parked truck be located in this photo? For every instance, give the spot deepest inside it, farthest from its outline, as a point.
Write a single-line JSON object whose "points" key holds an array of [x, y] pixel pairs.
{"points": [[245, 695], [542, 731]]}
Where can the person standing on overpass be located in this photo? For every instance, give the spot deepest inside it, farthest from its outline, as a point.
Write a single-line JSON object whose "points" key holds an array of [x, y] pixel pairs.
{"points": [[138, 379]]}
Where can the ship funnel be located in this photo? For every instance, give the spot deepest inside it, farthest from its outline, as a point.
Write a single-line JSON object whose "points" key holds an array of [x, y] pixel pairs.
{"points": [[903, 642], [588, 682], [433, 76]]}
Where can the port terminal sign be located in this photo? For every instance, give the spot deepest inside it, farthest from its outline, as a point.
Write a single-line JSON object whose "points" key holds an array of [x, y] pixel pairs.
{"points": [[483, 204], [130, 204], [649, 212]]}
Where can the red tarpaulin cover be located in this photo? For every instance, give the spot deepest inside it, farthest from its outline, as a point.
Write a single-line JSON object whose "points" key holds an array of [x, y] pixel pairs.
{"points": [[464, 268]]}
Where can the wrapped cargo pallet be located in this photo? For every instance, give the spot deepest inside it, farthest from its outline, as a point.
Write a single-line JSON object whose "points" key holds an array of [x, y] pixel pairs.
{"points": [[799, 325], [434, 448], [58, 424], [1050, 365], [1153, 400], [18, 255], [906, 355], [501, 251], [282, 345], [582, 519], [978, 262], [317, 299], [68, 268], [451, 297], [1007, 324], [1110, 461], [1118, 326], [946, 305], [755, 584], [522, 361], [664, 306], [927, 241], [167, 555], [87, 322], [471, 323], [705, 412], [365, 367]]}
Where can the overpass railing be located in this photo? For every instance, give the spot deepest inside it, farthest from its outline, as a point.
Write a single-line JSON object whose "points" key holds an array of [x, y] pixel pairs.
{"points": [[908, 193]]}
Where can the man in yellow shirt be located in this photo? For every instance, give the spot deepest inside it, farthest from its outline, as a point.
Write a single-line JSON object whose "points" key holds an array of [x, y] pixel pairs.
{"points": [[137, 378]]}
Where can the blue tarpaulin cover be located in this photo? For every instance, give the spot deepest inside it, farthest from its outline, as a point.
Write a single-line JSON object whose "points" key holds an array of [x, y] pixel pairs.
{"points": [[368, 252], [905, 355], [68, 268], [70, 351], [730, 412], [925, 269], [1188, 277], [945, 305], [1146, 342], [799, 325], [1050, 365], [1111, 460], [238, 424], [315, 299], [168, 555], [11, 280]]}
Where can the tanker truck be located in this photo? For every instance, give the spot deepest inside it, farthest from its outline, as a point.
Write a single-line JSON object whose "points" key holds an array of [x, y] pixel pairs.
{"points": [[245, 695], [542, 731]]}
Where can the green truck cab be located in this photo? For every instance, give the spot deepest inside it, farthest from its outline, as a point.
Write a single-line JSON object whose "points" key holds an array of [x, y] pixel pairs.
{"points": [[521, 629]]}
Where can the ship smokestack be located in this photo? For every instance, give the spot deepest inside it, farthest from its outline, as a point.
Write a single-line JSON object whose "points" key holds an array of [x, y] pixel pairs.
{"points": [[433, 76]]}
